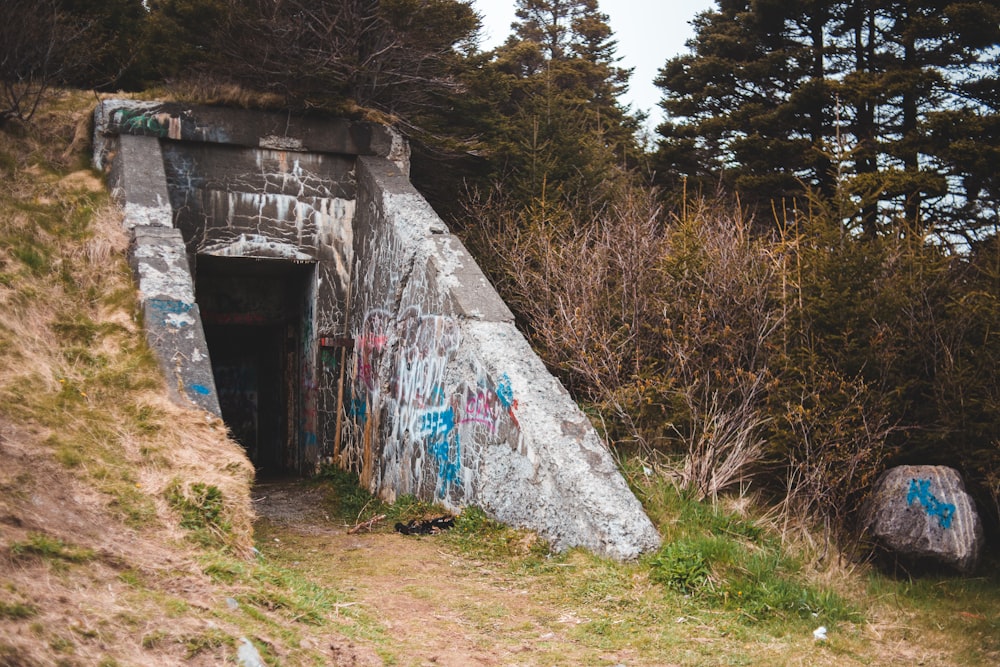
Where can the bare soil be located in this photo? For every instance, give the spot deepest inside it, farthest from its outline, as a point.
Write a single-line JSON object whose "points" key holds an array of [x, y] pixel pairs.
{"points": [[436, 606]]}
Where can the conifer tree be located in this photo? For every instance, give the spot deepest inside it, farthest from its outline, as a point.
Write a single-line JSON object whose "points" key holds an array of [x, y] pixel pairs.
{"points": [[867, 95], [556, 123]]}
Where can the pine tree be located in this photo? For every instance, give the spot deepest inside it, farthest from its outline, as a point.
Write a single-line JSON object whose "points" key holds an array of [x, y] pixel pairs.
{"points": [[557, 125], [777, 98]]}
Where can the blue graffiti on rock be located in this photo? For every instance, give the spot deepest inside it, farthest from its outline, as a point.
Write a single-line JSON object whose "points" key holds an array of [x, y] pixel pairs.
{"points": [[920, 490], [438, 427]]}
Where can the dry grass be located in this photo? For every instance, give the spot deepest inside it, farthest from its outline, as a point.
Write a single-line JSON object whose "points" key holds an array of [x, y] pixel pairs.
{"points": [[89, 439]]}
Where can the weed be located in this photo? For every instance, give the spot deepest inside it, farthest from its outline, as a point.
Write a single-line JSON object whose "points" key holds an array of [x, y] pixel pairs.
{"points": [[731, 563], [202, 510], [349, 500], [17, 610], [134, 507], [151, 640], [70, 454], [270, 587], [42, 546], [225, 570], [409, 507], [206, 641], [62, 645], [680, 566], [146, 419], [33, 258], [176, 608]]}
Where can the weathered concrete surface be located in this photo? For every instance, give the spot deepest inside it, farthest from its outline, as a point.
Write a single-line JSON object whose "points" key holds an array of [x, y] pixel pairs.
{"points": [[158, 259], [171, 317], [141, 188], [924, 513], [238, 127], [442, 397], [450, 401]]}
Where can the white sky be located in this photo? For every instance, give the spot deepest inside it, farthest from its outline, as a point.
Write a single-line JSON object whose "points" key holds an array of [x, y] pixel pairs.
{"points": [[648, 33]]}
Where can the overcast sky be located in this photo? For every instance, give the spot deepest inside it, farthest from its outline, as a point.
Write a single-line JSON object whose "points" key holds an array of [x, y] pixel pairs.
{"points": [[648, 33]]}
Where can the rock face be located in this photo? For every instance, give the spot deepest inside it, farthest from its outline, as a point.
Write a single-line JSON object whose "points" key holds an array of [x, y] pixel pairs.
{"points": [[923, 513]]}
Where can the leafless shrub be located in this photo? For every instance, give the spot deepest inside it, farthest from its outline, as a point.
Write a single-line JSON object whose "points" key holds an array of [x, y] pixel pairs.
{"points": [[583, 289], [659, 323], [35, 36], [724, 446]]}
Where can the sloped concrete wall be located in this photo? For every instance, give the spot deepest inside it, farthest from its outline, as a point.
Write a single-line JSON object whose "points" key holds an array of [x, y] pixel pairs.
{"points": [[449, 401], [159, 261], [443, 398]]}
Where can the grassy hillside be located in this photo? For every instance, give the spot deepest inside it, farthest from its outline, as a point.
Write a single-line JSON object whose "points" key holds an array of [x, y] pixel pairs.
{"points": [[110, 495]]}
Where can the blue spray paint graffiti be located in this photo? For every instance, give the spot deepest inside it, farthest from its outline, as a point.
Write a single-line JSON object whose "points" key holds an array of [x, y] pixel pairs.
{"points": [[201, 389], [171, 312], [505, 392], [920, 490], [438, 427], [359, 409]]}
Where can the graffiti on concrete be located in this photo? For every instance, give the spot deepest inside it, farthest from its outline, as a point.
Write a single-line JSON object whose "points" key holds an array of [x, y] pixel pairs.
{"points": [[149, 121], [437, 422], [505, 393], [172, 312], [426, 344], [482, 407], [369, 348], [920, 491], [437, 427]]}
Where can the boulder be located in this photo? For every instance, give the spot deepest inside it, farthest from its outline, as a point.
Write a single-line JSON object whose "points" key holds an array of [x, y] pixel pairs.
{"points": [[923, 514]]}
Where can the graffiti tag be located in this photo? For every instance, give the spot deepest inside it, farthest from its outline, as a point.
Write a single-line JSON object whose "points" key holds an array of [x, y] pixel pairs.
{"points": [[172, 312], [369, 348], [438, 428], [135, 120], [920, 490], [481, 408]]}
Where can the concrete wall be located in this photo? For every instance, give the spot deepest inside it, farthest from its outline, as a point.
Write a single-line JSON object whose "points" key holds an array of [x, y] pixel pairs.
{"points": [[449, 401], [442, 397]]}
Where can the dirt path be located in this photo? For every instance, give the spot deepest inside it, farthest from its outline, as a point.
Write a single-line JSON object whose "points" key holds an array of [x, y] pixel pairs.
{"points": [[435, 606]]}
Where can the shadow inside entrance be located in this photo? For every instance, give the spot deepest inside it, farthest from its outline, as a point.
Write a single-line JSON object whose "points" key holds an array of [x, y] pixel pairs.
{"points": [[254, 312]]}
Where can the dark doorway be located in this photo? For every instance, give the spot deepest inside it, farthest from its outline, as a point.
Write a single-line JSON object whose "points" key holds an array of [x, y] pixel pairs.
{"points": [[252, 310]]}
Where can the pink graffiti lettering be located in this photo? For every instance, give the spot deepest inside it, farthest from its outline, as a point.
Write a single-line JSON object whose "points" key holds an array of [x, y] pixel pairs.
{"points": [[482, 408]]}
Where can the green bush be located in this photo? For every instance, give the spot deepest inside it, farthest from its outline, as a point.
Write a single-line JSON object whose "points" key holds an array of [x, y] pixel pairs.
{"points": [[681, 566]]}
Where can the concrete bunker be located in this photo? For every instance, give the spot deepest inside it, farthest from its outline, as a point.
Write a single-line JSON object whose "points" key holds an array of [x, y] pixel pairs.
{"points": [[294, 283]]}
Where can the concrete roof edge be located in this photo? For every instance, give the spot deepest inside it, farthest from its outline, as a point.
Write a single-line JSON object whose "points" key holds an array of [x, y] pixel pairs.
{"points": [[249, 128]]}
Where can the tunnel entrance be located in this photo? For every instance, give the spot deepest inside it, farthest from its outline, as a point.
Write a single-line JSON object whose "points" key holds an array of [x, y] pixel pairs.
{"points": [[254, 313]]}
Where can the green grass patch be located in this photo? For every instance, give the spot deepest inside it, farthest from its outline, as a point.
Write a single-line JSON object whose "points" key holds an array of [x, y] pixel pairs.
{"points": [[347, 500], [961, 607], [270, 587], [730, 563], [203, 511], [45, 547], [207, 641], [17, 610]]}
